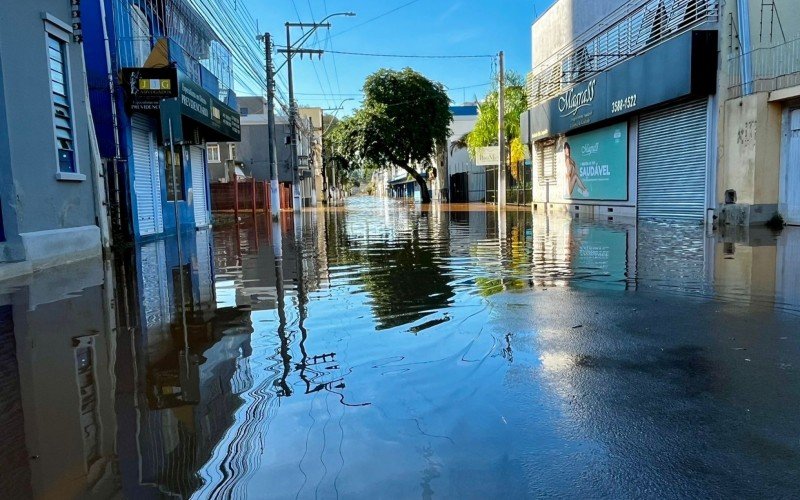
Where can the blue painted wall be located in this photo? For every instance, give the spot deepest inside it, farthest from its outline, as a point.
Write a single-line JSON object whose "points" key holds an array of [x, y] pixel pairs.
{"points": [[103, 103]]}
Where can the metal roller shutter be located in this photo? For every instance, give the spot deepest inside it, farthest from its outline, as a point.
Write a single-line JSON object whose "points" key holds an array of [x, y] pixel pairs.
{"points": [[146, 181], [672, 162], [199, 186]]}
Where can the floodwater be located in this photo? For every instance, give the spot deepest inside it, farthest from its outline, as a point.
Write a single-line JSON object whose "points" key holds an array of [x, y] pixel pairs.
{"points": [[384, 351]]}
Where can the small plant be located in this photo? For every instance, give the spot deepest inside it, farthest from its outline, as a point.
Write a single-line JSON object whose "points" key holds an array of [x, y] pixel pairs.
{"points": [[776, 221]]}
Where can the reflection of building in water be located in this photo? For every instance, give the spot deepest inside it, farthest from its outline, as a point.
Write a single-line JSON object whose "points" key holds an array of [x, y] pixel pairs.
{"points": [[759, 265], [56, 396], [189, 369], [246, 263]]}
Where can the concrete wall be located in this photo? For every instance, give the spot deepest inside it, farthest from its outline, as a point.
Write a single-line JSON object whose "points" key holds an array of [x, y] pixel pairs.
{"points": [[566, 20], [31, 193], [750, 128], [750, 157]]}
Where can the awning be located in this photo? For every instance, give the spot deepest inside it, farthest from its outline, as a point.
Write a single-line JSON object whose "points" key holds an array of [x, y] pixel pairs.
{"points": [[198, 117], [405, 179]]}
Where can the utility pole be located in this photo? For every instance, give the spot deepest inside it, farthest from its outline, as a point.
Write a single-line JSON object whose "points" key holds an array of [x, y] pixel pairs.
{"points": [[275, 202], [501, 135], [290, 52]]}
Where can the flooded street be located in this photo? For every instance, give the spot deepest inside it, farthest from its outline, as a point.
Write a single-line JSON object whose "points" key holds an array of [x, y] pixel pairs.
{"points": [[381, 350]]}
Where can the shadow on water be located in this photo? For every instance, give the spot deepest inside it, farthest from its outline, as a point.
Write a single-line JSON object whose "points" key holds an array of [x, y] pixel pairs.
{"points": [[385, 350]]}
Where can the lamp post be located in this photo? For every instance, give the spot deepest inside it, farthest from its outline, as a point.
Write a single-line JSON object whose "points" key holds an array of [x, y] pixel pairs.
{"points": [[290, 51]]}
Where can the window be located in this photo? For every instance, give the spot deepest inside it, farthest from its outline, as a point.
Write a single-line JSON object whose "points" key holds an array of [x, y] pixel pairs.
{"points": [[62, 114], [231, 151], [244, 111], [546, 160], [213, 153], [140, 36], [172, 194]]}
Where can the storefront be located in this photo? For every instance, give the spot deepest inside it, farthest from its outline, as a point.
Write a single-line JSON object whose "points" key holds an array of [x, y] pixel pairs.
{"points": [[167, 108], [634, 140]]}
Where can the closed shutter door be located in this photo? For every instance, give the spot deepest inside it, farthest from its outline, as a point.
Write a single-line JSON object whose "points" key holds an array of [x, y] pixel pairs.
{"points": [[672, 163], [199, 187], [146, 181]]}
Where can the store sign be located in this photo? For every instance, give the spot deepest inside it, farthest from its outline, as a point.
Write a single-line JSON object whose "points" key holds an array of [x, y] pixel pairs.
{"points": [[195, 117], [487, 156], [596, 164], [146, 87], [680, 68]]}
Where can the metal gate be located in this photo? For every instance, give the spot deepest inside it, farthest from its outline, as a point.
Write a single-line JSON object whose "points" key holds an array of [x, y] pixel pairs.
{"points": [[792, 171], [199, 186], [146, 178], [672, 162]]}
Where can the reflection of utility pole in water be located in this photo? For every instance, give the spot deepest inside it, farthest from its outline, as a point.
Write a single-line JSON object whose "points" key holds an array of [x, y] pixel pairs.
{"points": [[180, 247], [277, 247]]}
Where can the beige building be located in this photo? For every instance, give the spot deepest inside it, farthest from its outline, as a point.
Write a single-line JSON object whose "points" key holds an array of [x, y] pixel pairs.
{"points": [[759, 132]]}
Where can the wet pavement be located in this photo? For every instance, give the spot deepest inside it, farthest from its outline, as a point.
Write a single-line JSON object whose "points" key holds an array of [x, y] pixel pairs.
{"points": [[394, 352]]}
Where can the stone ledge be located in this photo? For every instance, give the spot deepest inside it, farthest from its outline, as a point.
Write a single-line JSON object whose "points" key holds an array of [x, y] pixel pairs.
{"points": [[54, 247]]}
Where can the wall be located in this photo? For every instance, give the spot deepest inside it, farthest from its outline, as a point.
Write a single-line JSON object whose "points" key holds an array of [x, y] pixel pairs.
{"points": [[749, 135], [253, 150], [750, 157], [43, 203], [564, 21]]}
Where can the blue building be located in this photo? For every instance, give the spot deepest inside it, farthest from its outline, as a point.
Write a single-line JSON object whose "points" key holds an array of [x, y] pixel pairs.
{"points": [[156, 70]]}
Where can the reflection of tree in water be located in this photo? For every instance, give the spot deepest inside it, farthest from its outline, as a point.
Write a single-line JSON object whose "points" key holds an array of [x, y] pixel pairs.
{"points": [[403, 277]]}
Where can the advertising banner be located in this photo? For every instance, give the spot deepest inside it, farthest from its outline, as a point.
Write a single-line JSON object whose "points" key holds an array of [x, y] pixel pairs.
{"points": [[596, 164]]}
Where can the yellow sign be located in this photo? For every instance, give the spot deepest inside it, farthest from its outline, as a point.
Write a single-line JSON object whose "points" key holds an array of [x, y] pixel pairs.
{"points": [[155, 84]]}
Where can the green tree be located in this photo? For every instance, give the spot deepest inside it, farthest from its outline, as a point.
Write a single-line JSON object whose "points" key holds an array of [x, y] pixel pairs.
{"points": [[403, 121], [485, 132]]}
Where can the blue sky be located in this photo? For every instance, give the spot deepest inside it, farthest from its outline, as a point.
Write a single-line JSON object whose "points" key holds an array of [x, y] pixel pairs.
{"points": [[428, 27]]}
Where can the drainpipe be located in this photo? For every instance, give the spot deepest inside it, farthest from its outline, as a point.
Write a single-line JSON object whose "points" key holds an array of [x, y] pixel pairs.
{"points": [[111, 97], [745, 46]]}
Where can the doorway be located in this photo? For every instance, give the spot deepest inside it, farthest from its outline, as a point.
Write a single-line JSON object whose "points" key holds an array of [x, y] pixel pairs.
{"points": [[791, 179], [459, 188], [286, 195]]}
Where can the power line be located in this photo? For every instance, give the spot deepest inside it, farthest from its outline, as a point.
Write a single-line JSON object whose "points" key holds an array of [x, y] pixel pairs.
{"points": [[416, 56], [379, 16]]}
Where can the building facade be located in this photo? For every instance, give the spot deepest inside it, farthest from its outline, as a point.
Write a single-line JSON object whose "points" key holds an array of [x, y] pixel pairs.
{"points": [[759, 109], [466, 181], [623, 108], [160, 84], [250, 155], [48, 210]]}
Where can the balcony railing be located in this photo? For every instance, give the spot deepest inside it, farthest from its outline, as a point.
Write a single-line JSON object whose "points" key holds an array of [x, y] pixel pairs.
{"points": [[629, 31], [139, 25], [773, 68]]}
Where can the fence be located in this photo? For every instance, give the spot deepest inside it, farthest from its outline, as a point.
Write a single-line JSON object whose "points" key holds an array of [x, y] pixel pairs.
{"points": [[772, 68], [246, 195]]}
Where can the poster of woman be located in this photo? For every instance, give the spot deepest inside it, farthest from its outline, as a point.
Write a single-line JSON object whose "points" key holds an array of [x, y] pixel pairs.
{"points": [[573, 174]]}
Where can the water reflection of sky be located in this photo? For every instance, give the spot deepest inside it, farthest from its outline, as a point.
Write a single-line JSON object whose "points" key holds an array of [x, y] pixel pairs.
{"points": [[398, 352]]}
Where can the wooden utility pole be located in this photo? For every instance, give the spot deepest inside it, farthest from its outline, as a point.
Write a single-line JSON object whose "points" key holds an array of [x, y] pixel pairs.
{"points": [[501, 135]]}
